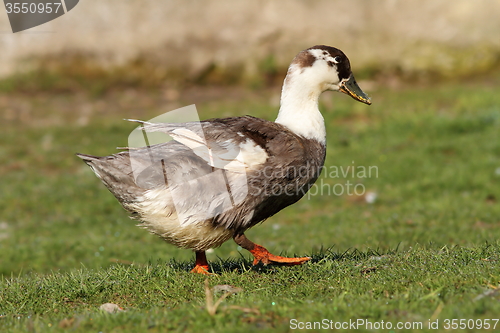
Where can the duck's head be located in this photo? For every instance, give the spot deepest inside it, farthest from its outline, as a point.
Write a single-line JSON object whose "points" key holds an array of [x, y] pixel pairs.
{"points": [[324, 68]]}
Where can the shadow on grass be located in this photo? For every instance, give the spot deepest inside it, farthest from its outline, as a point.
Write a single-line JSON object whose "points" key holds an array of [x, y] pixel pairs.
{"points": [[242, 264]]}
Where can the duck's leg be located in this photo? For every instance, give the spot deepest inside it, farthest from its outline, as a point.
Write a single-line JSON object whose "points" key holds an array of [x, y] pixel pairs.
{"points": [[201, 266], [261, 254]]}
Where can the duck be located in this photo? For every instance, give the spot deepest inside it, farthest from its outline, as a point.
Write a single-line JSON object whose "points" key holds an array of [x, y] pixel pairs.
{"points": [[219, 177]]}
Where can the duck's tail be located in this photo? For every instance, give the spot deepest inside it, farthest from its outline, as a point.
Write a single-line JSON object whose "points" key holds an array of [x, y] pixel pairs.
{"points": [[116, 173]]}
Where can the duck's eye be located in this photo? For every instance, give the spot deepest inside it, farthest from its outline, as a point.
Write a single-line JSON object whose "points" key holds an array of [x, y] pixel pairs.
{"points": [[337, 59]]}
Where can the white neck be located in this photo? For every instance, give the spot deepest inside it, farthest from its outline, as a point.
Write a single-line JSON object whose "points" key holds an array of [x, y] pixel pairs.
{"points": [[299, 107]]}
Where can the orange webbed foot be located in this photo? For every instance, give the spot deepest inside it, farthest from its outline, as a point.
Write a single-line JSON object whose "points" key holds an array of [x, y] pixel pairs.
{"points": [[201, 269], [261, 254], [201, 266]]}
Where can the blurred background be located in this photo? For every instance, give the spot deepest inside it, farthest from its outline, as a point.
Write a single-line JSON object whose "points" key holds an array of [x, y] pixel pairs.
{"points": [[431, 66], [174, 42]]}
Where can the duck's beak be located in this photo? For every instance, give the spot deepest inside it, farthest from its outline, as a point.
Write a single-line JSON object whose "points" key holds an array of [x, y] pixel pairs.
{"points": [[351, 88]]}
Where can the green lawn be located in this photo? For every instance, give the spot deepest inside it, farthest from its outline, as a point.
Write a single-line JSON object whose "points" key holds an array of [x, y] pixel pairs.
{"points": [[426, 249]]}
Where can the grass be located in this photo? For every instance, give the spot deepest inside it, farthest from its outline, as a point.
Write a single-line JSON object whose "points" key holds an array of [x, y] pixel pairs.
{"points": [[426, 249], [413, 286]]}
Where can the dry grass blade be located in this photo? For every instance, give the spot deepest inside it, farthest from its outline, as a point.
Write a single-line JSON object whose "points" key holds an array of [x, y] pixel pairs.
{"points": [[209, 293]]}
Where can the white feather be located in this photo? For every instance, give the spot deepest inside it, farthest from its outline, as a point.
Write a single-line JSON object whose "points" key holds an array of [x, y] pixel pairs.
{"points": [[236, 158]]}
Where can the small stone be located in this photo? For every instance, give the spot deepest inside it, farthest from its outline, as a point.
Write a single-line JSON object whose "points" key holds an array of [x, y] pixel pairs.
{"points": [[227, 288], [110, 308]]}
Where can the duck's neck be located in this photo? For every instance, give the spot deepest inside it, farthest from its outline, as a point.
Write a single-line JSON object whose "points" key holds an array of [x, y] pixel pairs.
{"points": [[299, 109]]}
